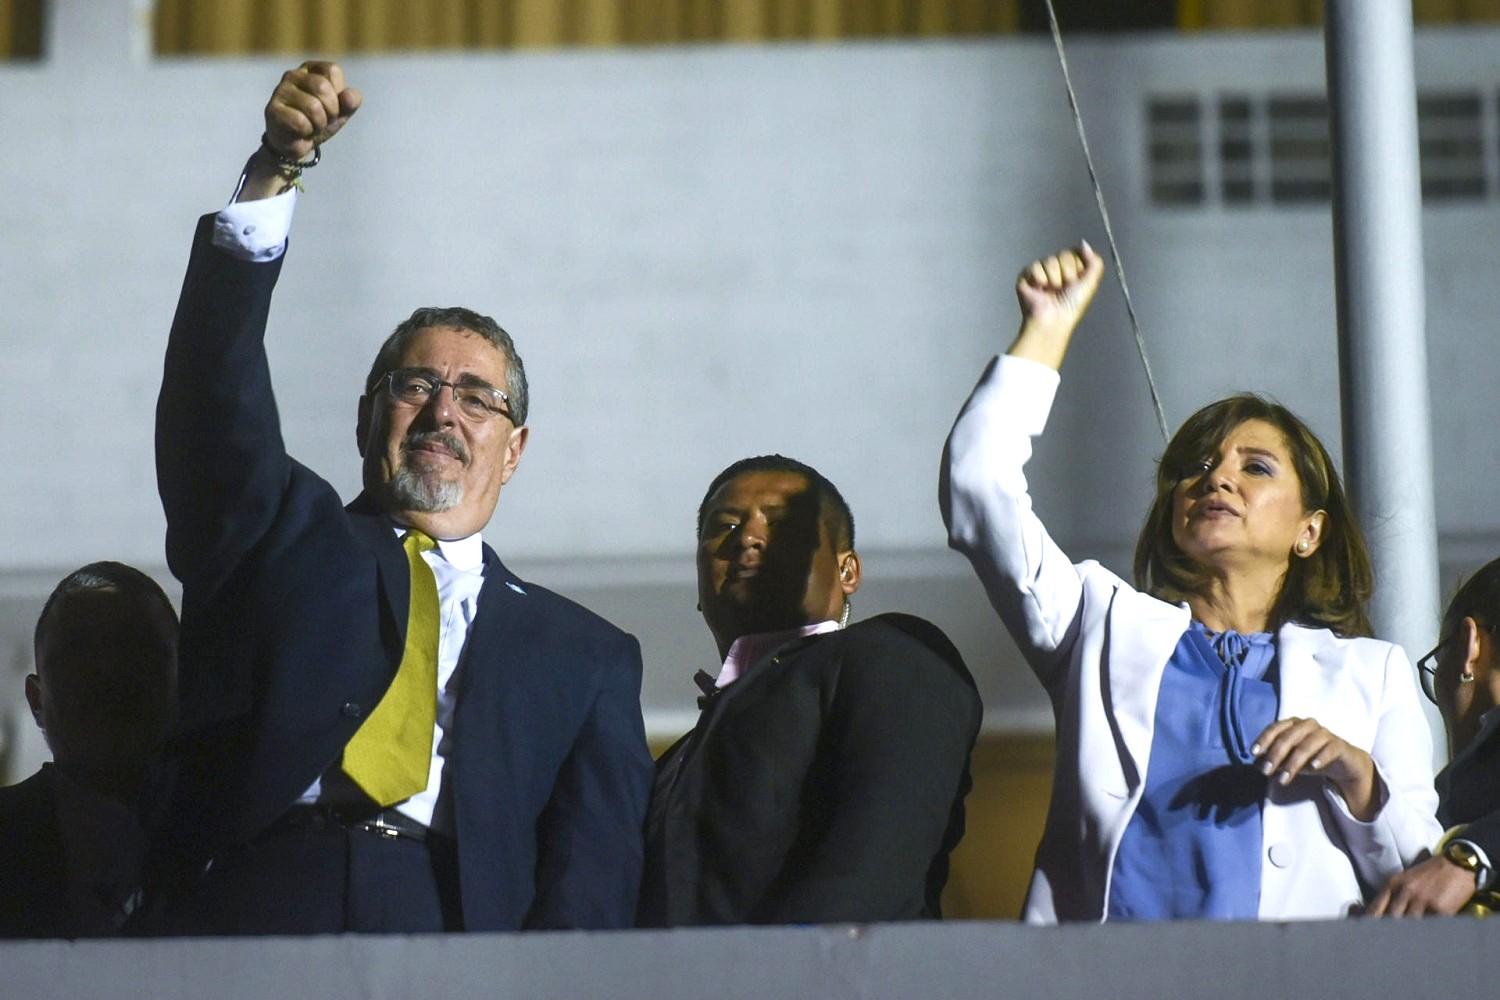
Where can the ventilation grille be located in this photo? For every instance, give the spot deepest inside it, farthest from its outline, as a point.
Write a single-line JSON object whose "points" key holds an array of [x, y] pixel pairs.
{"points": [[1248, 150]]}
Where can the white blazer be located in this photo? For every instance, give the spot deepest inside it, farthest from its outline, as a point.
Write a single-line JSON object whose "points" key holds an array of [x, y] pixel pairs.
{"points": [[1099, 647]]}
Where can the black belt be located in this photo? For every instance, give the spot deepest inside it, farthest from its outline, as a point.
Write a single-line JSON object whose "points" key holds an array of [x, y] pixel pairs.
{"points": [[368, 819]]}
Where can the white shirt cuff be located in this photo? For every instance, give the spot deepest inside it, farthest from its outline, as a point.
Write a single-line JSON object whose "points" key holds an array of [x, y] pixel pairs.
{"points": [[256, 230]]}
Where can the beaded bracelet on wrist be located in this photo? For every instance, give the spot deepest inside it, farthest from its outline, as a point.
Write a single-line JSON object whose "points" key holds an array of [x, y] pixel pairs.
{"points": [[290, 167]]}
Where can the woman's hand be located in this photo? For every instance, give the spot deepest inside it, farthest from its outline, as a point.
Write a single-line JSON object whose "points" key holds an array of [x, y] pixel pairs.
{"points": [[1054, 293], [1288, 747]]}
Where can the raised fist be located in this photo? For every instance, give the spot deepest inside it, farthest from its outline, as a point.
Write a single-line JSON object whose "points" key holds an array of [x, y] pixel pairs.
{"points": [[308, 107], [1056, 291]]}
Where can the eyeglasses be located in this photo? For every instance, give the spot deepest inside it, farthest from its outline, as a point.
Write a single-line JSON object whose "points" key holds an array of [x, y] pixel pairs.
{"points": [[1427, 671], [1427, 666], [475, 400]]}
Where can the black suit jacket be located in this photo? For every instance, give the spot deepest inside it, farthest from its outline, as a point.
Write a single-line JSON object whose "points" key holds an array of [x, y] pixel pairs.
{"points": [[293, 617], [1469, 790], [33, 893], [824, 785]]}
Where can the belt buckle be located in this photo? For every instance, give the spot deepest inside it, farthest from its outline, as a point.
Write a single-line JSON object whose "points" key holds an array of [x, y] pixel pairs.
{"points": [[380, 826]]}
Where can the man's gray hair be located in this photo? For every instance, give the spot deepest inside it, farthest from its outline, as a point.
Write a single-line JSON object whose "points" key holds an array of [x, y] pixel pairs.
{"points": [[455, 318]]}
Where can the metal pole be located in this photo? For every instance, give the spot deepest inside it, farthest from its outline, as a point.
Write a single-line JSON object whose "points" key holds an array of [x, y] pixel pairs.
{"points": [[1377, 227]]}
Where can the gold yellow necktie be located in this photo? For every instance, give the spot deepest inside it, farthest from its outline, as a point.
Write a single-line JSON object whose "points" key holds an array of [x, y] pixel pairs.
{"points": [[390, 754]]}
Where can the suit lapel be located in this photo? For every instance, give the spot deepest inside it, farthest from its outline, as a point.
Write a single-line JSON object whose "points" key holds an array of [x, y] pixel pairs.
{"points": [[1142, 633], [503, 601], [379, 535], [516, 686], [754, 675], [1309, 666]]}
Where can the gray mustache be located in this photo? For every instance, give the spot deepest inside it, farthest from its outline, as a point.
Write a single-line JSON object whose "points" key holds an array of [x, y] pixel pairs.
{"points": [[448, 441]]}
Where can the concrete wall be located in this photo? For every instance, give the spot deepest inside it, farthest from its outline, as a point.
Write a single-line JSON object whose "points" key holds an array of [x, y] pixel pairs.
{"points": [[1340, 960], [703, 253]]}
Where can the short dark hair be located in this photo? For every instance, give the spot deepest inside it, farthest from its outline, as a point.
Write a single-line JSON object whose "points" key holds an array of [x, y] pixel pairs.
{"points": [[837, 518], [1330, 588], [455, 318], [152, 627], [1478, 598]]}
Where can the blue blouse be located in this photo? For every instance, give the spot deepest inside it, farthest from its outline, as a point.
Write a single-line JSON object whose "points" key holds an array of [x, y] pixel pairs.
{"points": [[1192, 849]]}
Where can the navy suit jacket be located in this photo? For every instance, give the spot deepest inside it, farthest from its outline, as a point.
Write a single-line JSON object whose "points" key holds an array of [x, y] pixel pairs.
{"points": [[293, 617], [33, 890], [1469, 790]]}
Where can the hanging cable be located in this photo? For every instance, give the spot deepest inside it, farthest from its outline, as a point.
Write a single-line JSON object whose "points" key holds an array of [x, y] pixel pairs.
{"points": [[1109, 232]]}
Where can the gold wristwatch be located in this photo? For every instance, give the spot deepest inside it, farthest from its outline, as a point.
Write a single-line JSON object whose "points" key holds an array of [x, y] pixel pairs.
{"points": [[1467, 857], [1464, 854]]}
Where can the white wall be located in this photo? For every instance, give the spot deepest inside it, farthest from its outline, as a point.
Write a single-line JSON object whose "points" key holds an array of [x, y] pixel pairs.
{"points": [[957, 960], [702, 253]]}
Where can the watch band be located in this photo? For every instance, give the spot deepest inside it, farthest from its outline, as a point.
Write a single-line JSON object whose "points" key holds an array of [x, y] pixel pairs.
{"points": [[1470, 857]]}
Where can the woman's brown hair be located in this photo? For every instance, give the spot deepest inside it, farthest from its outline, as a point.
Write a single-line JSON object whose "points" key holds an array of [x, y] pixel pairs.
{"points": [[1328, 588]]}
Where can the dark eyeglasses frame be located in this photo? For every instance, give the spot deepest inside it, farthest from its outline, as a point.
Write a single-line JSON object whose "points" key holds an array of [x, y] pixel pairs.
{"points": [[1427, 664], [1427, 670], [435, 385]]}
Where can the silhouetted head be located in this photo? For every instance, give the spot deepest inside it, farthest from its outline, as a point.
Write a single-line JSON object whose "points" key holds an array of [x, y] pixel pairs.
{"points": [[105, 687], [1460, 672]]}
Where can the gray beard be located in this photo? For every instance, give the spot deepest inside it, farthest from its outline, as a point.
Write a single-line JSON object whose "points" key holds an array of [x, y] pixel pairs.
{"points": [[416, 492]]}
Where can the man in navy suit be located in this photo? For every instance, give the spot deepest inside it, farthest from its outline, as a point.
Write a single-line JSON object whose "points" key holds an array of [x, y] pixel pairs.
{"points": [[1461, 675], [73, 835], [297, 613]]}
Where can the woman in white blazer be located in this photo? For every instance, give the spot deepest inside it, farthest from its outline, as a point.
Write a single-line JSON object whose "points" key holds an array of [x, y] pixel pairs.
{"points": [[1249, 552]]}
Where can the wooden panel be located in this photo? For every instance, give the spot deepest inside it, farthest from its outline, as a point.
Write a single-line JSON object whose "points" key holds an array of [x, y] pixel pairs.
{"points": [[1248, 14], [933, 19], [491, 23], [225, 27], [20, 29], [363, 25], [411, 25], [228, 26], [746, 21], [1436, 11], [282, 26], [891, 17], [329, 27], [166, 27], [825, 19], [537, 23], [446, 24], [615, 22], [641, 22], [788, 19], [1007, 810]]}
